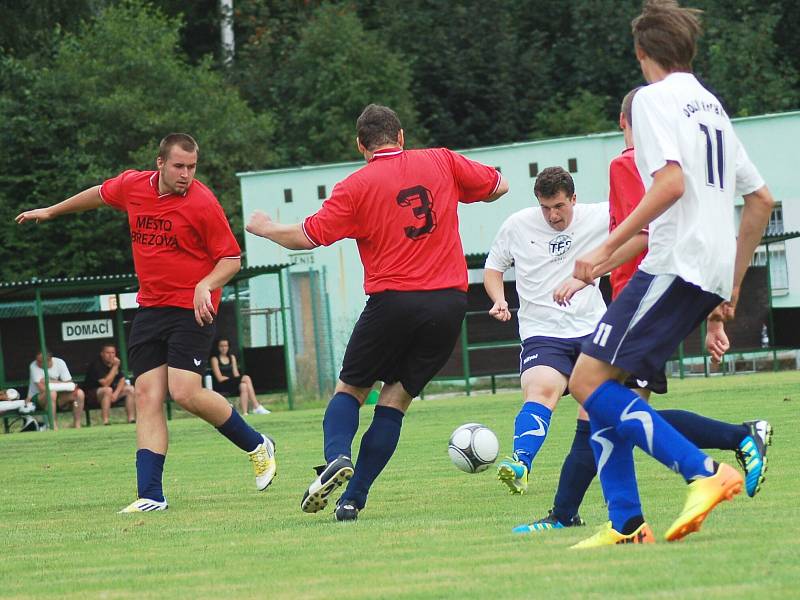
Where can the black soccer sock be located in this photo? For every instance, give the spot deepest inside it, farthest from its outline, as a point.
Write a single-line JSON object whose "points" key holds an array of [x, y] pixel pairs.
{"points": [[632, 525], [577, 472], [240, 433], [339, 426], [377, 446], [704, 432]]}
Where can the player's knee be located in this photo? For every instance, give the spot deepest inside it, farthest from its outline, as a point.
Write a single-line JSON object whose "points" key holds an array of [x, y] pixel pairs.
{"points": [[358, 393], [245, 379], [145, 399]]}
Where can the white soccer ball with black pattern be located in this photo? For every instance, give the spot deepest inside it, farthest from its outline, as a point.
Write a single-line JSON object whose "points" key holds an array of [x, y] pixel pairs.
{"points": [[473, 447]]}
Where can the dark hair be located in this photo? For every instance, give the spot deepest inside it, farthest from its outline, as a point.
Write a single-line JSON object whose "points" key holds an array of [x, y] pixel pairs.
{"points": [[215, 346], [553, 180], [668, 33], [184, 140], [377, 126], [108, 345], [627, 105]]}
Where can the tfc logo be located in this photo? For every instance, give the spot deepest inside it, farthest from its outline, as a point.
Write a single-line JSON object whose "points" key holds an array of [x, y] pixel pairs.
{"points": [[559, 244]]}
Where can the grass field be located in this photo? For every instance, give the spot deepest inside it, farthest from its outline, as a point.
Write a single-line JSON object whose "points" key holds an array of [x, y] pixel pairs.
{"points": [[429, 530]]}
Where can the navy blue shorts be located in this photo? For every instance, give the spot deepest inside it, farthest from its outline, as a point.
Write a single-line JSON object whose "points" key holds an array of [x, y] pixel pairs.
{"points": [[557, 353], [647, 322]]}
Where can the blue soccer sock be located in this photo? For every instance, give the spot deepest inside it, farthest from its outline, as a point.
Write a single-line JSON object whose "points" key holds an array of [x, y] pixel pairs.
{"points": [[615, 468], [340, 425], [614, 405], [530, 430], [240, 433], [577, 472], [377, 446], [149, 471], [704, 432]]}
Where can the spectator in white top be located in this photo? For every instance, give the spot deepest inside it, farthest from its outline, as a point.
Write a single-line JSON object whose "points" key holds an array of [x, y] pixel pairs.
{"points": [[63, 391]]}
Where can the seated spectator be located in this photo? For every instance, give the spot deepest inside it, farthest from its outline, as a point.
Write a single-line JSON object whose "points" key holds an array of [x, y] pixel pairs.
{"points": [[63, 392], [227, 380], [106, 385]]}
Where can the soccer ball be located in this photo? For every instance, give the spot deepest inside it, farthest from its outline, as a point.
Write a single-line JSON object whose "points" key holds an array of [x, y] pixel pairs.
{"points": [[473, 447]]}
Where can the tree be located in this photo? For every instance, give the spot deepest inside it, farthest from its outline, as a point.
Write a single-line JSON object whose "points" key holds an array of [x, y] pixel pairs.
{"points": [[335, 70], [739, 58], [100, 106], [576, 114]]}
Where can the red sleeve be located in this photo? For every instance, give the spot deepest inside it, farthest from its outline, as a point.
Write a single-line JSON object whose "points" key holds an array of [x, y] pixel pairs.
{"points": [[113, 190], [625, 193], [217, 234], [334, 221], [475, 180]]}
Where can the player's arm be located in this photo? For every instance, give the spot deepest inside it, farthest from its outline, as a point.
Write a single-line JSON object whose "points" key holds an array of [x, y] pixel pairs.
{"points": [[291, 237], [667, 188], [628, 251], [85, 200], [221, 274], [755, 217], [502, 188], [493, 282]]}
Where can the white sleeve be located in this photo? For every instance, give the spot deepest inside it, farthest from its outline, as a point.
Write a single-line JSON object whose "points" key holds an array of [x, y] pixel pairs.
{"points": [[602, 220], [63, 370], [748, 179], [500, 258], [655, 135]]}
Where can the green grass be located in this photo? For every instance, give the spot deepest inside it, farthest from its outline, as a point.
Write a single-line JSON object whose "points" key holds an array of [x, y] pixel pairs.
{"points": [[429, 530]]}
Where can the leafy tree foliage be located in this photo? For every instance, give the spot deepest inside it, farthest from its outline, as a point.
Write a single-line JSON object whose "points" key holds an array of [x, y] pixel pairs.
{"points": [[343, 69], [99, 107], [88, 87]]}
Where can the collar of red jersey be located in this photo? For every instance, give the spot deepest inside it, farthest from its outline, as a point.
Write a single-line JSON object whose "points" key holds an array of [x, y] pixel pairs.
{"points": [[386, 153], [154, 184]]}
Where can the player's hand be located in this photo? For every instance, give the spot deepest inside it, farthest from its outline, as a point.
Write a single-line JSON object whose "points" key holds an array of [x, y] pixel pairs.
{"points": [[717, 342], [568, 288], [584, 265], [115, 362], [36, 215], [260, 224], [500, 311], [203, 308]]}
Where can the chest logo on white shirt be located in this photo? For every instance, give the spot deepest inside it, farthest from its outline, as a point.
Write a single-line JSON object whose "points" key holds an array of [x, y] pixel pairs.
{"points": [[559, 244]]}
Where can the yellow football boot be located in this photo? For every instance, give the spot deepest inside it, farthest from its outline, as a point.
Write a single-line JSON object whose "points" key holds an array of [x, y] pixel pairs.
{"points": [[704, 495], [608, 536]]}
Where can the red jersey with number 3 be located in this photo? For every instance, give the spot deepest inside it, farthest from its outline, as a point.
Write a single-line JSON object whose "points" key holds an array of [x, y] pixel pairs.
{"points": [[626, 190], [177, 239], [401, 208]]}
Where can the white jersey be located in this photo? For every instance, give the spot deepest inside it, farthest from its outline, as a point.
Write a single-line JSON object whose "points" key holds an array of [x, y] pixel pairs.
{"points": [[57, 372], [544, 257], [677, 119]]}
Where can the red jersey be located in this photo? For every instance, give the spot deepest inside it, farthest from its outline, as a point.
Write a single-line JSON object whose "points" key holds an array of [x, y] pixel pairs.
{"points": [[401, 208], [177, 239], [625, 192]]}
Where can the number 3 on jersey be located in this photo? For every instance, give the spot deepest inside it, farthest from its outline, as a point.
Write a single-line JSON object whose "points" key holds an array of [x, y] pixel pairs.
{"points": [[711, 146], [421, 201]]}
